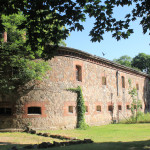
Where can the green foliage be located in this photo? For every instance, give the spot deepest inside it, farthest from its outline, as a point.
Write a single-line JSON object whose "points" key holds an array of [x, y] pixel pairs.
{"points": [[142, 61], [19, 64], [72, 13], [19, 72], [141, 118], [80, 108], [124, 60], [17, 61], [136, 103]]}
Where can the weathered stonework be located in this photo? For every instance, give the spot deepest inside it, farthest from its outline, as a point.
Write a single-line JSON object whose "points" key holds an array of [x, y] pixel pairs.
{"points": [[52, 96]]}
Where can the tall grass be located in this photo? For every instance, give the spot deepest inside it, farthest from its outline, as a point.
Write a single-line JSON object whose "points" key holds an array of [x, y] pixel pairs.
{"points": [[140, 118]]}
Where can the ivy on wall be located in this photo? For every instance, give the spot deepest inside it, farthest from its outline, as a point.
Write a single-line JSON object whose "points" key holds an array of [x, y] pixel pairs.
{"points": [[81, 124]]}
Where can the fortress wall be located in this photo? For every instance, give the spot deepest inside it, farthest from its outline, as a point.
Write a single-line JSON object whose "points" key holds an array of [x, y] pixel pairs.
{"points": [[58, 105]]}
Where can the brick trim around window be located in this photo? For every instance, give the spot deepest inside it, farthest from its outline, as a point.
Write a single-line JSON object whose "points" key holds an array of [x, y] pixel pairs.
{"points": [[66, 108], [119, 106], [35, 104], [128, 104], [110, 104], [95, 110], [8, 105], [78, 71]]}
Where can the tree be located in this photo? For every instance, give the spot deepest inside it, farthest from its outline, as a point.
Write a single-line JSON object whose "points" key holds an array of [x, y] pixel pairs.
{"points": [[17, 60], [124, 60], [142, 61], [17, 65], [72, 13], [44, 20]]}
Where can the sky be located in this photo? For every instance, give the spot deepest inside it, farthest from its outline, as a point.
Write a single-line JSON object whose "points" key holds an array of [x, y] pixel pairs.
{"points": [[135, 44]]}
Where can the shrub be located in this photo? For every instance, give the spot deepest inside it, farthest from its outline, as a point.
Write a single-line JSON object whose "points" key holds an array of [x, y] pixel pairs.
{"points": [[141, 118], [81, 124]]}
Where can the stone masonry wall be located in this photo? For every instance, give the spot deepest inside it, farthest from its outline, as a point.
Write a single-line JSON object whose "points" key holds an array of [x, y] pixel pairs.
{"points": [[52, 96]]}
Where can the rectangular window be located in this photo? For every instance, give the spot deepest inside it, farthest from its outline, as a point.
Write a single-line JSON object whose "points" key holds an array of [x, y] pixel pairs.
{"points": [[5, 111], [103, 80], [34, 110], [78, 73], [70, 109], [98, 108], [110, 108], [123, 82], [128, 107], [137, 86], [119, 107], [86, 109]]}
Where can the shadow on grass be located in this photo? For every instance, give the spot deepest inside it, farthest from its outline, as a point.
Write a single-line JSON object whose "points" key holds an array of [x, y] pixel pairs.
{"points": [[135, 145], [5, 143]]}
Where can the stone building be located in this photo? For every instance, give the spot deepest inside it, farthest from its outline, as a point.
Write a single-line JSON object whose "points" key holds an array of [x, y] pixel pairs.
{"points": [[47, 104]]}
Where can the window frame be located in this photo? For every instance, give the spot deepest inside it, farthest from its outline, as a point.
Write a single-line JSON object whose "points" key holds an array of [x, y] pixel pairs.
{"points": [[123, 81], [4, 111], [78, 73], [70, 109], [86, 109], [110, 106], [137, 87], [120, 107], [34, 108], [98, 110], [127, 107], [104, 82]]}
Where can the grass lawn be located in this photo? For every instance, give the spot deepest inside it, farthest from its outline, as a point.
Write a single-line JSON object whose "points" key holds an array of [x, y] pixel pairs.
{"points": [[114, 136]]}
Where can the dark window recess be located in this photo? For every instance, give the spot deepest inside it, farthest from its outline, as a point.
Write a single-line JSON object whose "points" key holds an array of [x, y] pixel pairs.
{"points": [[86, 108], [103, 80], [78, 73], [128, 107], [98, 108], [110, 108], [134, 106], [137, 86], [34, 110], [123, 82], [5, 111], [119, 107], [70, 109]]}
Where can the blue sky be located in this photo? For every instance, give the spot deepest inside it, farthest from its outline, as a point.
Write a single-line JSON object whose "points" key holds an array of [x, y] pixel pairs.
{"points": [[136, 43]]}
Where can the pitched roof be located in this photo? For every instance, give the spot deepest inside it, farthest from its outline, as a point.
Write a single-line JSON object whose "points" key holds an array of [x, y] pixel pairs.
{"points": [[106, 61]]}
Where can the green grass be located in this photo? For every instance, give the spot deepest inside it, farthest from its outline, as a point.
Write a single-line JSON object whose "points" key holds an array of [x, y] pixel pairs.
{"points": [[114, 136], [110, 133]]}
